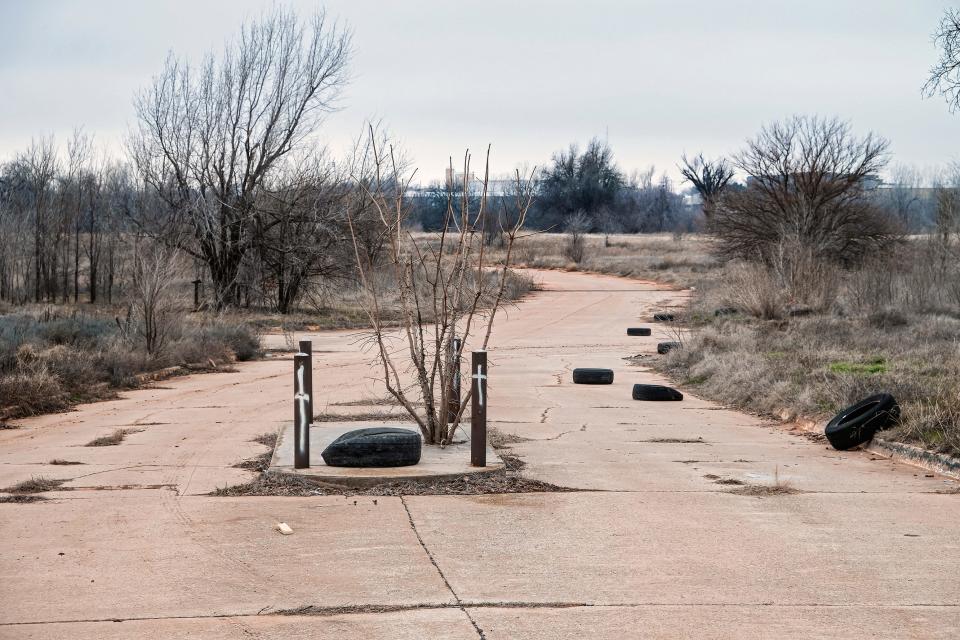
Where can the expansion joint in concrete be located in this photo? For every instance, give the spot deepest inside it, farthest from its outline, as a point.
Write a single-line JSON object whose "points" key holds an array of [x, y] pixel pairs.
{"points": [[436, 566]]}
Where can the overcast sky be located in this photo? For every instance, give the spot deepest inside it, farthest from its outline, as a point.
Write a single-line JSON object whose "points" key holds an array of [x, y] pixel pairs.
{"points": [[529, 76]]}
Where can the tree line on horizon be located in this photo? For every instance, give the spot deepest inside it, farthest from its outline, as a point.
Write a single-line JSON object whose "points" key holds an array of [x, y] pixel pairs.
{"points": [[225, 169]]}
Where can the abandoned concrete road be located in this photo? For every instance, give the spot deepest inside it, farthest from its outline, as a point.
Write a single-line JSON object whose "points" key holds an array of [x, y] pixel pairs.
{"points": [[653, 543]]}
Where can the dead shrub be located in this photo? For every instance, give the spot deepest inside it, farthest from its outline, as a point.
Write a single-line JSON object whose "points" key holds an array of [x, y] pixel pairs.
{"points": [[31, 391], [111, 440], [36, 484]]}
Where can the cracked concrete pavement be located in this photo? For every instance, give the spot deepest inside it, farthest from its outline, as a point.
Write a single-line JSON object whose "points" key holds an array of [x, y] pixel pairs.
{"points": [[652, 544]]}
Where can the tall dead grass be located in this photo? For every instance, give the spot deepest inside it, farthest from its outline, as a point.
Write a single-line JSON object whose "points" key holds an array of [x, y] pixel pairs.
{"points": [[53, 358], [811, 345]]}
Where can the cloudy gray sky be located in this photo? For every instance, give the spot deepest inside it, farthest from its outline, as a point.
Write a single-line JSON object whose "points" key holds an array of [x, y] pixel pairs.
{"points": [[658, 77]]}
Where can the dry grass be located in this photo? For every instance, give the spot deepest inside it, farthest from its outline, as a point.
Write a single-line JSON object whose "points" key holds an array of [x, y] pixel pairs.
{"points": [[111, 440], [54, 357], [763, 491], [814, 366], [662, 258], [20, 498], [36, 484], [261, 462]]}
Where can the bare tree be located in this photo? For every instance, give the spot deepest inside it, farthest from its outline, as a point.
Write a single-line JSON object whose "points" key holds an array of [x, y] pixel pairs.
{"points": [[708, 177], [40, 168], [444, 283], [944, 78], [808, 188], [154, 268], [301, 230], [209, 139], [577, 225], [904, 197]]}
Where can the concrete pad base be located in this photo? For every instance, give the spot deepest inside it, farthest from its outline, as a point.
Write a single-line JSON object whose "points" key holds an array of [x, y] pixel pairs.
{"points": [[435, 463]]}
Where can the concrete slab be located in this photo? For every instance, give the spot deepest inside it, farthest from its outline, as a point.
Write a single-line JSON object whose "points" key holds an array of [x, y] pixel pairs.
{"points": [[161, 555], [435, 462], [695, 548], [710, 622]]}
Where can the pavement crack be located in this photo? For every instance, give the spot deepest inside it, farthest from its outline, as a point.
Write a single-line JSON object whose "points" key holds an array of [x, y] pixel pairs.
{"points": [[433, 561]]}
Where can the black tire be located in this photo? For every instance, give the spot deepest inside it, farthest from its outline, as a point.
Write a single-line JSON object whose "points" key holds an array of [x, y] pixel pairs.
{"points": [[665, 347], [663, 317], [656, 392], [593, 376], [638, 331], [857, 424], [374, 447]]}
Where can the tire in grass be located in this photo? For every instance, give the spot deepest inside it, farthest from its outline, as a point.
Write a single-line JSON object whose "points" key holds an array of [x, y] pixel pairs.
{"points": [[726, 311], [666, 347], [655, 392], [374, 447], [638, 331], [663, 317], [857, 424], [592, 376]]}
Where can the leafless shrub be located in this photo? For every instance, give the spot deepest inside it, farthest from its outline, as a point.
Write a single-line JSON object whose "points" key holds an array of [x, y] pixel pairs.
{"points": [[807, 188], [440, 285], [576, 226]]}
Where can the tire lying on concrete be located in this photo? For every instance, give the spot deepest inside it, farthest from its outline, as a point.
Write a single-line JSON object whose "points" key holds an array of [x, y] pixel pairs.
{"points": [[665, 347], [663, 317], [857, 424], [655, 392], [593, 376], [374, 447], [638, 331]]}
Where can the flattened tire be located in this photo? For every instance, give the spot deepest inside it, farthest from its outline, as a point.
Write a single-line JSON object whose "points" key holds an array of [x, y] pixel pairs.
{"points": [[857, 424], [638, 331], [666, 347], [655, 392], [593, 376], [663, 317], [374, 447]]}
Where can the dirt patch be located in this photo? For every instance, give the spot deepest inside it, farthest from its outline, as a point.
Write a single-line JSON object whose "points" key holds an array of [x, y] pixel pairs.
{"points": [[673, 441], [58, 461], [7, 426], [730, 481], [368, 416], [503, 481], [37, 484]]}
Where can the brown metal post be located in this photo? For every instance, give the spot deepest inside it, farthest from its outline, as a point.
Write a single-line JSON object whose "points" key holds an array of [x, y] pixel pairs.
{"points": [[306, 346], [196, 294], [478, 410], [453, 404], [301, 412]]}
